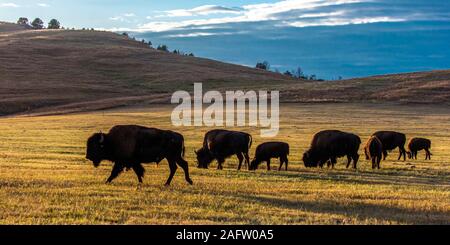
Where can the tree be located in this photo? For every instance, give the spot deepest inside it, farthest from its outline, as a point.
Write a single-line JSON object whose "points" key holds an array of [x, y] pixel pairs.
{"points": [[37, 23], [299, 73], [23, 21], [54, 24], [163, 47], [125, 34], [288, 73], [150, 43], [263, 65]]}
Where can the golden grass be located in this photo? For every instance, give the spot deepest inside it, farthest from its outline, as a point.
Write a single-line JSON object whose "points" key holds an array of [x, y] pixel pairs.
{"points": [[44, 178]]}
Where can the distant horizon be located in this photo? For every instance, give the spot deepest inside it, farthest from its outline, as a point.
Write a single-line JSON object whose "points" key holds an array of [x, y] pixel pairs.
{"points": [[327, 38]]}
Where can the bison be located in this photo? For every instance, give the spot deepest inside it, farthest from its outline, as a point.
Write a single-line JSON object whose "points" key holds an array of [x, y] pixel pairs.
{"points": [[418, 144], [221, 144], [328, 145], [129, 146], [269, 150], [390, 141], [374, 151]]}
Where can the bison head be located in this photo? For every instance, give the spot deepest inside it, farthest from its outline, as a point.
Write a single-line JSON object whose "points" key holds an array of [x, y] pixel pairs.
{"points": [[95, 150], [309, 159], [254, 165], [204, 158], [409, 154]]}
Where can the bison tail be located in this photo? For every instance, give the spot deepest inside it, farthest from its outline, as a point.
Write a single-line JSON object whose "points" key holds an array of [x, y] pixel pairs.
{"points": [[250, 141]]}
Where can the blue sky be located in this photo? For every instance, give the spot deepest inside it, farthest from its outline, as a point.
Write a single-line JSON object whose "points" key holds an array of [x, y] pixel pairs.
{"points": [[330, 38]]}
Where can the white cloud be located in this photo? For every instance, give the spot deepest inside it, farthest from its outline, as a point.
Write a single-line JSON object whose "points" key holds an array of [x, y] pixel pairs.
{"points": [[201, 10], [204, 34], [344, 21], [127, 17], [44, 5], [284, 13], [9, 5], [248, 13]]}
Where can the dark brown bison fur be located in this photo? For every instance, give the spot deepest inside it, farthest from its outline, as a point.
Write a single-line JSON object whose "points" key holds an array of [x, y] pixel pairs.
{"points": [[329, 145], [221, 144], [269, 150], [418, 144], [392, 140], [374, 151], [129, 146]]}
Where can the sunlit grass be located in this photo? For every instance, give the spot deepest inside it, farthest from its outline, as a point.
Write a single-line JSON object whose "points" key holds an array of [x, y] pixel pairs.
{"points": [[44, 178]]}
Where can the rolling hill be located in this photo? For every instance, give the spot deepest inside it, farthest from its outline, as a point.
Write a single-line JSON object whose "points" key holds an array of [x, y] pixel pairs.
{"points": [[63, 71]]}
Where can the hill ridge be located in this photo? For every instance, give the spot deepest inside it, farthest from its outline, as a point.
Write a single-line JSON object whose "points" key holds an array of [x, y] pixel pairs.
{"points": [[72, 70]]}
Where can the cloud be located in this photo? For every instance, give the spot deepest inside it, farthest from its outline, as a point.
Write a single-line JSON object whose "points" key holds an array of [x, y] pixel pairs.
{"points": [[127, 17], [44, 5], [201, 10], [203, 34], [282, 12], [344, 21], [289, 13], [9, 5]]}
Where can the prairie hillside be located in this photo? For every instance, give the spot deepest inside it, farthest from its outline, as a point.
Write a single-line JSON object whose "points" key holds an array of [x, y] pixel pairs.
{"points": [[62, 71]]}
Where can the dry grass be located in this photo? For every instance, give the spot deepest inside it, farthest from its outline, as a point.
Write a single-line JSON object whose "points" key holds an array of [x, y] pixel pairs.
{"points": [[44, 178]]}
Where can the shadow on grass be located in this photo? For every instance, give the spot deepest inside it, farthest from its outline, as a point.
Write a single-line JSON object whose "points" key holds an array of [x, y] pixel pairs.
{"points": [[363, 177], [357, 210]]}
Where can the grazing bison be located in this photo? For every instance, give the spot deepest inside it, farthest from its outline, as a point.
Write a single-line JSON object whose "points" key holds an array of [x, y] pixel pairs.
{"points": [[418, 144], [328, 145], [374, 151], [221, 144], [269, 150], [130, 146], [390, 141]]}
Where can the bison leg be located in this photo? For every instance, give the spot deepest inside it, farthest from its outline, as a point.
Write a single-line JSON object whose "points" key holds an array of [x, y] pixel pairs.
{"points": [[173, 168], [247, 159], [220, 162], [268, 164], [185, 166], [402, 153], [355, 161], [349, 160], [385, 154], [333, 162], [241, 159], [139, 170], [117, 169], [378, 162], [428, 154]]}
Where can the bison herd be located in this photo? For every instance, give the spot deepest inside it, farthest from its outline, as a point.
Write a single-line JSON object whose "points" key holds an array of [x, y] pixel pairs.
{"points": [[129, 146]]}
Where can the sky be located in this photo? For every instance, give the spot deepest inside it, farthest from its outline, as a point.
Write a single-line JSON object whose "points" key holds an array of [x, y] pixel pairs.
{"points": [[329, 38]]}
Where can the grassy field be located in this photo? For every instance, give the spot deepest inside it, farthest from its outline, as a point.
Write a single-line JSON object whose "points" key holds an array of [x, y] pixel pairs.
{"points": [[44, 178]]}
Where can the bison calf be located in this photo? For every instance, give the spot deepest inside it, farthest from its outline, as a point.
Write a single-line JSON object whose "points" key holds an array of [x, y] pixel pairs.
{"points": [[269, 150], [418, 144], [129, 146], [374, 151]]}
